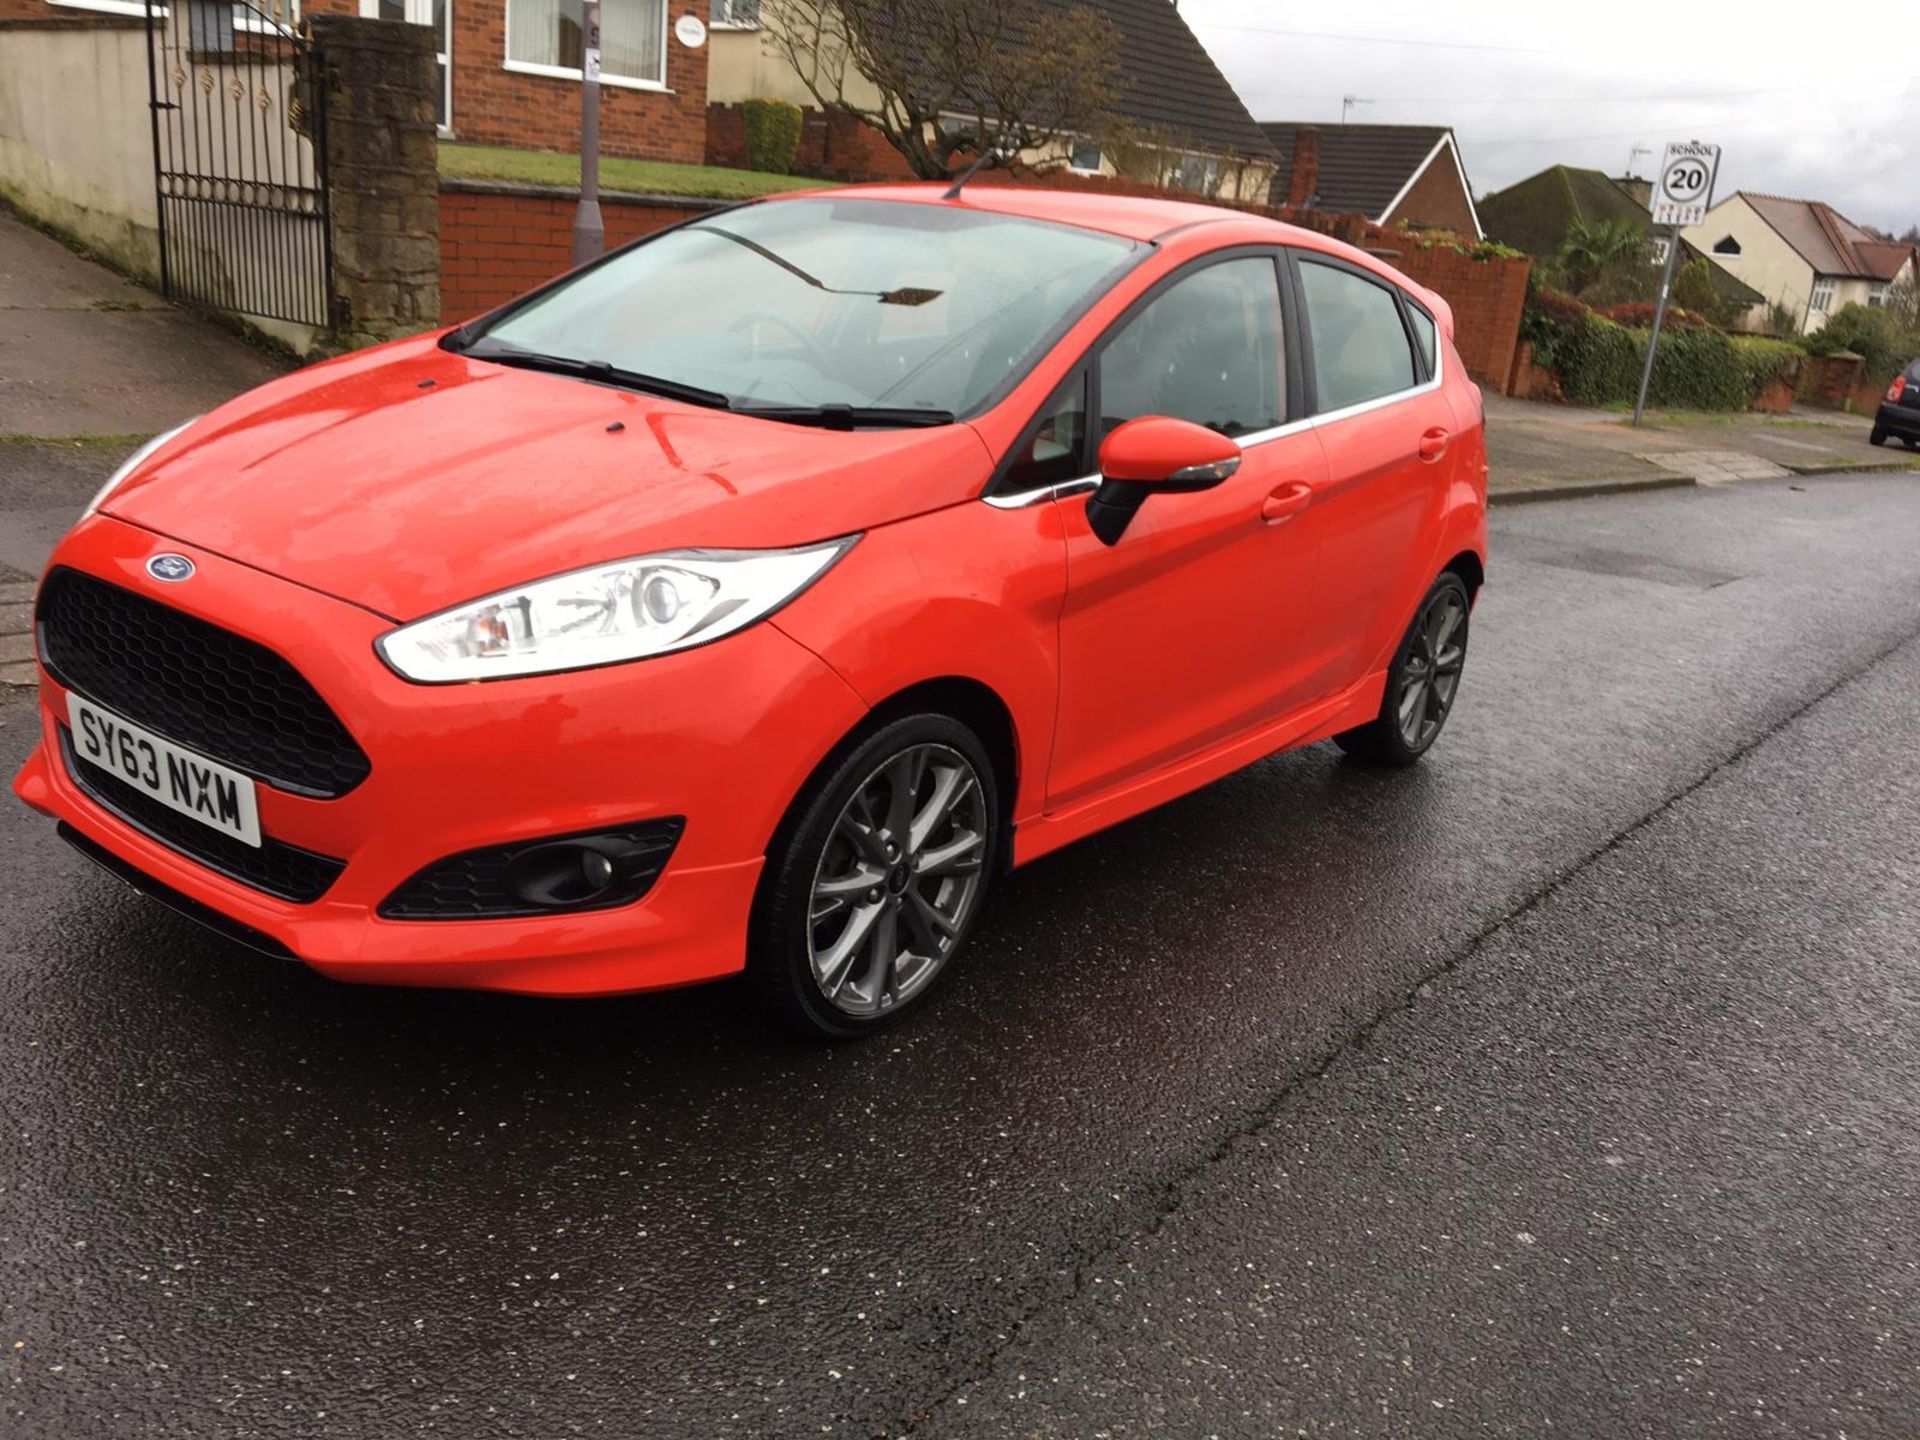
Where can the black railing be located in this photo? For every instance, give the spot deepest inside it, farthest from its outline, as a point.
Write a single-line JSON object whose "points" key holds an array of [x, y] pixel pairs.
{"points": [[239, 160]]}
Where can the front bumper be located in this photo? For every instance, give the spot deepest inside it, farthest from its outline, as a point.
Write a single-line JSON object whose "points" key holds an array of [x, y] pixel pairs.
{"points": [[723, 735], [1901, 420]]}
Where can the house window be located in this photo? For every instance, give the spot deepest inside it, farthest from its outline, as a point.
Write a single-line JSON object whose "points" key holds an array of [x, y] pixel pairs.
{"points": [[1877, 295], [544, 38], [1726, 245], [1822, 296], [735, 14], [1085, 157], [1198, 173]]}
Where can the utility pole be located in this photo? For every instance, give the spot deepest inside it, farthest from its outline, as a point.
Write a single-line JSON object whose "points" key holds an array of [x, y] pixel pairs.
{"points": [[589, 230]]}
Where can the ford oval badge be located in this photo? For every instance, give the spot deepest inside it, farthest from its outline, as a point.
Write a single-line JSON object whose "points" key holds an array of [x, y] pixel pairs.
{"points": [[170, 567]]}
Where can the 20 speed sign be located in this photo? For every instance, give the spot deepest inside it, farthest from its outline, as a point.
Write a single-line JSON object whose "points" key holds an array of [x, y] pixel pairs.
{"points": [[1685, 185]]}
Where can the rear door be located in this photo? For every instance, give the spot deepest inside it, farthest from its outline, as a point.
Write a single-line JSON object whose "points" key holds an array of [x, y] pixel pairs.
{"points": [[1189, 629], [1373, 384]]}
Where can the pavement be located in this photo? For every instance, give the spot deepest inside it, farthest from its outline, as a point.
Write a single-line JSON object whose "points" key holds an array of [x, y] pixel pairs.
{"points": [[1561, 1085], [1548, 452], [87, 354]]}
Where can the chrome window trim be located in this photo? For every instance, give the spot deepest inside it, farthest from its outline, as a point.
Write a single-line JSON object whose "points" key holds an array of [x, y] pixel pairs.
{"points": [[1020, 499], [1023, 498]]}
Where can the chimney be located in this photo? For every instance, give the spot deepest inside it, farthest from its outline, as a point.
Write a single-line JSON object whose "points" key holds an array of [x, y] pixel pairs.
{"points": [[1303, 183]]}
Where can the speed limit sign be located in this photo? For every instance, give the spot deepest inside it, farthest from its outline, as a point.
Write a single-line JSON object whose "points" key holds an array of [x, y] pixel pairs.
{"points": [[1684, 188]]}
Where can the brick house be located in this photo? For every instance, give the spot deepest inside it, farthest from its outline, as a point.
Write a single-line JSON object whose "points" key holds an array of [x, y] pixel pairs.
{"points": [[1802, 255], [1388, 173], [1204, 139], [510, 69]]}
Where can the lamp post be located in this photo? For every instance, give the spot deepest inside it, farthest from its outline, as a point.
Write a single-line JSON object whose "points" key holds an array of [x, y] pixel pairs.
{"points": [[589, 231]]}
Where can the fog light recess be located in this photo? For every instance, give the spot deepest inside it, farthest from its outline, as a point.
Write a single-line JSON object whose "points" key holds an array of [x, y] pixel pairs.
{"points": [[596, 870]]}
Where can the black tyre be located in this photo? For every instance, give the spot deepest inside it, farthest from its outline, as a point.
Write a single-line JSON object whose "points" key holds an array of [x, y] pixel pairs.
{"points": [[1422, 682], [1878, 437], [876, 878]]}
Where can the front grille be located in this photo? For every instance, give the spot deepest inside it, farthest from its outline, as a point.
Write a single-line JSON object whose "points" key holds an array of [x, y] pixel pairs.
{"points": [[480, 884], [201, 686], [279, 869]]}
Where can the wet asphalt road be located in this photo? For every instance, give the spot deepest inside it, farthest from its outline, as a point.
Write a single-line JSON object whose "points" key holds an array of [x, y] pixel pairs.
{"points": [[1566, 1084]]}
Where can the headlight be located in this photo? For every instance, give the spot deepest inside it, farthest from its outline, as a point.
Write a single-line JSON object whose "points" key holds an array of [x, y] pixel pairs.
{"points": [[623, 611], [134, 462]]}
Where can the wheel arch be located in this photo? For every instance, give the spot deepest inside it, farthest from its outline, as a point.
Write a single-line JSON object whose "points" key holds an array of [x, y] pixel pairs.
{"points": [[1471, 569], [973, 703]]}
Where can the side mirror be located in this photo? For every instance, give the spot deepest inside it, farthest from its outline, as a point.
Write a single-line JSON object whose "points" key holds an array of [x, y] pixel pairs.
{"points": [[1155, 455]]}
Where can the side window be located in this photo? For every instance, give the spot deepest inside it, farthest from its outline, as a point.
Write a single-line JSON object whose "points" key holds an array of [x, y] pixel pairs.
{"points": [[1360, 349], [1051, 453], [1426, 337], [1207, 349]]}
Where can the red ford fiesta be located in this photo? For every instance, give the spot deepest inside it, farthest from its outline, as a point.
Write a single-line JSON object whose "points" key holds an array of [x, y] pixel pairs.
{"points": [[753, 597]]}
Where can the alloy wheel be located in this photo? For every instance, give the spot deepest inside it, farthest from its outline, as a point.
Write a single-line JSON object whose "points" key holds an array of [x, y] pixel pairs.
{"points": [[1430, 674], [898, 880]]}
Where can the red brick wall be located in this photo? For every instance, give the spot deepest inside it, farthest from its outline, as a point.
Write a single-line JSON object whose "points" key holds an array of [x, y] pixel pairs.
{"points": [[832, 146], [1437, 198], [496, 106], [1487, 297], [498, 241]]}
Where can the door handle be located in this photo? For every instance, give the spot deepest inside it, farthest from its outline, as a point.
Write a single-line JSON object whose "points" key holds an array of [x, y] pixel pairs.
{"points": [[1286, 502], [1433, 444]]}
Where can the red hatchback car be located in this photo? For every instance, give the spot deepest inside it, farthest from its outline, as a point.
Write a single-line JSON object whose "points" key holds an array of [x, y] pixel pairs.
{"points": [[754, 596]]}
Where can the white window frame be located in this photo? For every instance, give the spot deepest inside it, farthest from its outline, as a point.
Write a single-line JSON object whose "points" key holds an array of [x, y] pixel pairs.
{"points": [[107, 7], [1877, 295], [1099, 158], [565, 72], [725, 7], [1821, 299], [247, 22]]}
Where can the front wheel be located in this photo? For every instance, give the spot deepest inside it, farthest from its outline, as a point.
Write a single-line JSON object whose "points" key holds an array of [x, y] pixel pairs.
{"points": [[1421, 683], [873, 886], [1878, 437]]}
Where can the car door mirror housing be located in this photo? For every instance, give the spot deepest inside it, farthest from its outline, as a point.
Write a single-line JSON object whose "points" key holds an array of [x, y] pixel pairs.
{"points": [[1155, 455]]}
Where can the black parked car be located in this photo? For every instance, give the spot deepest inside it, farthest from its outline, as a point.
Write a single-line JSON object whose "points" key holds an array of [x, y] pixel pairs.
{"points": [[1899, 413]]}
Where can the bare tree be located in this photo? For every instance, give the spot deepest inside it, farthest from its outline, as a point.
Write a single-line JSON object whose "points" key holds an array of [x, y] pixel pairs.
{"points": [[942, 78]]}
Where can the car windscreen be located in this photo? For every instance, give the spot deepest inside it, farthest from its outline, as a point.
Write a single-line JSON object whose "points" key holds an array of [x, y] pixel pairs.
{"points": [[832, 302]]}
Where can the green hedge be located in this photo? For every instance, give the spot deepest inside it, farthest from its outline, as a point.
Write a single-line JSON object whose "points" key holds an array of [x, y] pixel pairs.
{"points": [[773, 135], [1698, 369]]}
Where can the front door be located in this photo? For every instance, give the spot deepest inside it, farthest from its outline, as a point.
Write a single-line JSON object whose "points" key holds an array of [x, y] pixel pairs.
{"points": [[1191, 628]]}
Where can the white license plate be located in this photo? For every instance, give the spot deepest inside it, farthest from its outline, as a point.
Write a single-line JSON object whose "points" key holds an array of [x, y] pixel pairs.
{"points": [[219, 798]]}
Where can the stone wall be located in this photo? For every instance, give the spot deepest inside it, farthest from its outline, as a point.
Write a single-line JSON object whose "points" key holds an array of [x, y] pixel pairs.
{"points": [[383, 177]]}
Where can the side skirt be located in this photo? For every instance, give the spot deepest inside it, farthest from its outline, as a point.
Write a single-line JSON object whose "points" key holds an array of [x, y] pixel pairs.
{"points": [[1045, 833]]}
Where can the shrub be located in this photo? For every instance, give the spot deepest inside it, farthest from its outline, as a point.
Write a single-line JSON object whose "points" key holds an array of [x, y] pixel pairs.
{"points": [[1638, 315], [773, 135], [1696, 367], [1875, 335], [1693, 289]]}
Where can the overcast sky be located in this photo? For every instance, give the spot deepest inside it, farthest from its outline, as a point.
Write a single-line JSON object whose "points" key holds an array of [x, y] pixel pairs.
{"points": [[1804, 101]]}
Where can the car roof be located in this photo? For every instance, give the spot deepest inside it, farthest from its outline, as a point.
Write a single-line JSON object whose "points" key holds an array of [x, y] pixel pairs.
{"points": [[1132, 217]]}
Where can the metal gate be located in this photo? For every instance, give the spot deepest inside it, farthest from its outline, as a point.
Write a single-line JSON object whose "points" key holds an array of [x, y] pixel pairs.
{"points": [[239, 159]]}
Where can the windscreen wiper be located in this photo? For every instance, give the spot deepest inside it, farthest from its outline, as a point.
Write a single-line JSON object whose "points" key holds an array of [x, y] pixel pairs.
{"points": [[849, 417], [600, 371]]}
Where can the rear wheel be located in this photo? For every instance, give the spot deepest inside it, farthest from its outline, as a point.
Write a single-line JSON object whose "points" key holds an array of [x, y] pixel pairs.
{"points": [[1422, 681], [875, 883], [1878, 437]]}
